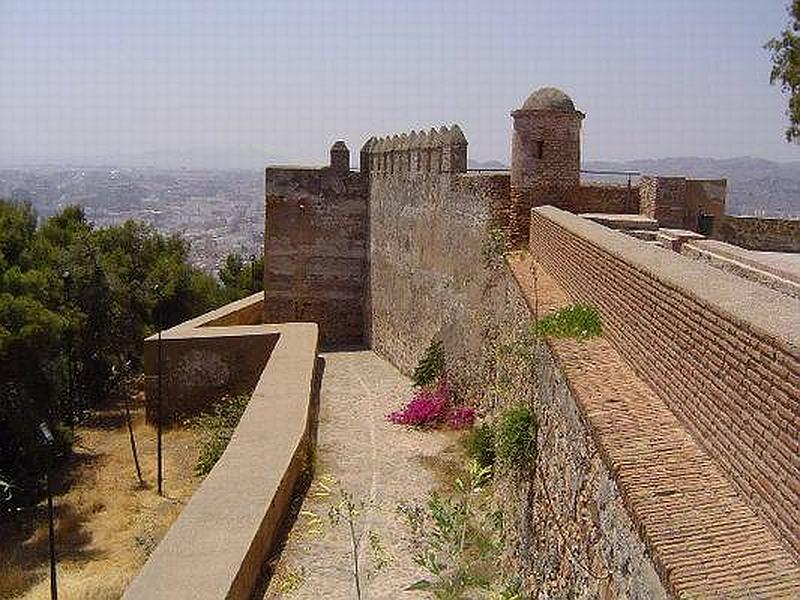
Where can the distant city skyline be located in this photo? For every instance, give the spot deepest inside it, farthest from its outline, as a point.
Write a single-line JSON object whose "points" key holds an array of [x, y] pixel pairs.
{"points": [[238, 84]]}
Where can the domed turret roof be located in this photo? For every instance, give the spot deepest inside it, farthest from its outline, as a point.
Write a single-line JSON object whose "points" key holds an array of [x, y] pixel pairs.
{"points": [[549, 98]]}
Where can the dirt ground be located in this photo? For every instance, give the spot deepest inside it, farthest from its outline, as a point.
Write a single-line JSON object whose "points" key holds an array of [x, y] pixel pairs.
{"points": [[107, 523], [381, 465]]}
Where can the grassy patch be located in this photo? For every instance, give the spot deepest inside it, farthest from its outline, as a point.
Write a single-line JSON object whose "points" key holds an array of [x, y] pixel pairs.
{"points": [[515, 436], [577, 321]]}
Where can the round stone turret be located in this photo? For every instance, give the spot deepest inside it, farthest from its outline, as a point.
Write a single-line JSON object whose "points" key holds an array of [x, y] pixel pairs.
{"points": [[549, 98], [545, 156], [340, 157], [546, 142]]}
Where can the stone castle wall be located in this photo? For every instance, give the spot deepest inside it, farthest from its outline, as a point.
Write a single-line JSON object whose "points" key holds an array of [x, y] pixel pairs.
{"points": [[437, 271], [723, 354], [754, 233], [678, 202], [315, 251], [604, 198], [662, 199]]}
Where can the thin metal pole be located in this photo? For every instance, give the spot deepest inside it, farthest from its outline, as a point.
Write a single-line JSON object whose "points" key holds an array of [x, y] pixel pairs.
{"points": [[158, 419], [133, 441], [50, 517]]}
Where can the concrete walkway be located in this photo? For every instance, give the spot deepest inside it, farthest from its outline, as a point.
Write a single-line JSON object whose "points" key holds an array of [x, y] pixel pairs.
{"points": [[379, 463]]}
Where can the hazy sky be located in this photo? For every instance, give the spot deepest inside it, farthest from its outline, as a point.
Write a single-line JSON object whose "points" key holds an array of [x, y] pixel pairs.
{"points": [[242, 83]]}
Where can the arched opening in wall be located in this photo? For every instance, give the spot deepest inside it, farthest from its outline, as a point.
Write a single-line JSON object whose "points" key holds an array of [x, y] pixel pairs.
{"points": [[538, 149]]}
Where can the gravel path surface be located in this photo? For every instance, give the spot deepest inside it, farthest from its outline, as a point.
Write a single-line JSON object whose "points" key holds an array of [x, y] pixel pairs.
{"points": [[378, 463]]}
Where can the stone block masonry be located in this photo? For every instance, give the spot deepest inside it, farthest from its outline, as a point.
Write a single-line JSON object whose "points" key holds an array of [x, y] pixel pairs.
{"points": [[754, 233], [315, 249], [678, 202], [723, 353]]}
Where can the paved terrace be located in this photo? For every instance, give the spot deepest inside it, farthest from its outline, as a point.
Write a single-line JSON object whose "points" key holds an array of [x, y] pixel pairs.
{"points": [[376, 462]]}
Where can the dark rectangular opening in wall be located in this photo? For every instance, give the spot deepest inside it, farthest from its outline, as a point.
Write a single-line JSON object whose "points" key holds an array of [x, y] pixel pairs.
{"points": [[539, 149], [705, 224]]}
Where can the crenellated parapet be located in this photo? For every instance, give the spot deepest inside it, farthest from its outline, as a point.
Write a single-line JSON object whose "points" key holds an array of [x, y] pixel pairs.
{"points": [[442, 150]]}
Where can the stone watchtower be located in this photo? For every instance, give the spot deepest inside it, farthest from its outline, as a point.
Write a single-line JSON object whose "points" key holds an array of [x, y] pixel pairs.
{"points": [[340, 157], [545, 155]]}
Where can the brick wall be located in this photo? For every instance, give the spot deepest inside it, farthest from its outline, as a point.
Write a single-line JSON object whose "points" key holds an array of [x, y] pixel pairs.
{"points": [[315, 251], [723, 353], [753, 233]]}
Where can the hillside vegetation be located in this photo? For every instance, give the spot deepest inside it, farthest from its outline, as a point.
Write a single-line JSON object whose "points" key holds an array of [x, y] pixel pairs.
{"points": [[75, 304]]}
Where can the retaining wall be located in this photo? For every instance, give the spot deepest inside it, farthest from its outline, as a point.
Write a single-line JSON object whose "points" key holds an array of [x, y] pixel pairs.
{"points": [[723, 353], [204, 358], [222, 538], [754, 233]]}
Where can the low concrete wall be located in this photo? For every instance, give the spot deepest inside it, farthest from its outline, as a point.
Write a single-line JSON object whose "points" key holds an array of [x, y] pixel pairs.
{"points": [[722, 352], [205, 357], [220, 541], [754, 233]]}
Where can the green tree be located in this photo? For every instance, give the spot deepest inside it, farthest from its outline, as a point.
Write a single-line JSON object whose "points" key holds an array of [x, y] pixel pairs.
{"points": [[785, 51], [241, 277], [75, 304]]}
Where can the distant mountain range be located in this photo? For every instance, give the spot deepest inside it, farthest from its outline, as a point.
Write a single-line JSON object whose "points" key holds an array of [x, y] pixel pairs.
{"points": [[756, 186]]}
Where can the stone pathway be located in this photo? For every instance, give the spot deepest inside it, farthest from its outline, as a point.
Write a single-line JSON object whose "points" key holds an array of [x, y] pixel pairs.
{"points": [[379, 463]]}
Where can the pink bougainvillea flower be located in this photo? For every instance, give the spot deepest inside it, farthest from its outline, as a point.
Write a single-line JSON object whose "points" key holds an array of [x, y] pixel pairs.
{"points": [[461, 417], [428, 407]]}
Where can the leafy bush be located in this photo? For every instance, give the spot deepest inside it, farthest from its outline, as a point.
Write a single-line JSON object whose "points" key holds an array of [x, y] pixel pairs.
{"points": [[577, 321], [457, 538], [515, 436], [216, 429], [75, 303], [479, 445], [429, 406], [431, 366]]}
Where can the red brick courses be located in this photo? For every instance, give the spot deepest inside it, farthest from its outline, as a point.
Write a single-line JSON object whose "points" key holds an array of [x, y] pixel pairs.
{"points": [[733, 384], [706, 542]]}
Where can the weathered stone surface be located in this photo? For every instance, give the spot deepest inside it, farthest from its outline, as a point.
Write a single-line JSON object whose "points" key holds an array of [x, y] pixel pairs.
{"points": [[754, 233], [315, 251]]}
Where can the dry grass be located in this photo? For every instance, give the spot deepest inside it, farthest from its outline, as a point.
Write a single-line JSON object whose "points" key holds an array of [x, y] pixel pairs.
{"points": [[106, 523]]}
